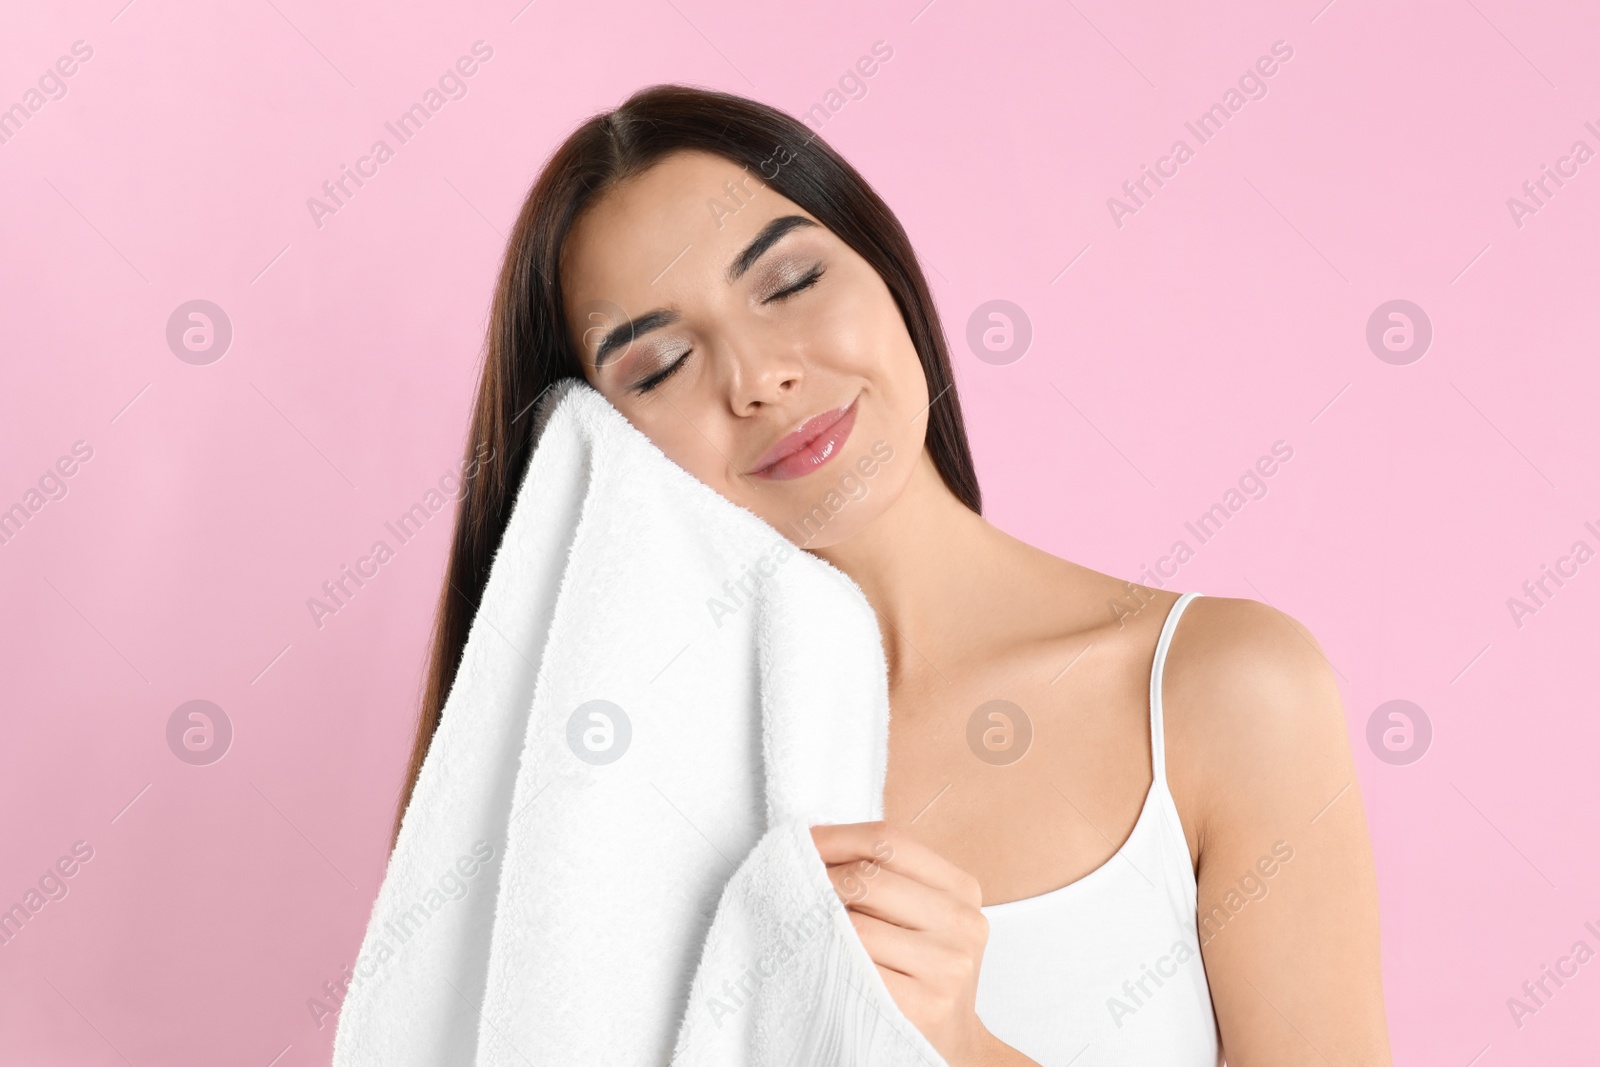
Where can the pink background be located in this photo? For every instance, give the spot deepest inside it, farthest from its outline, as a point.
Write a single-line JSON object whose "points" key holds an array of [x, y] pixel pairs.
{"points": [[1227, 313]]}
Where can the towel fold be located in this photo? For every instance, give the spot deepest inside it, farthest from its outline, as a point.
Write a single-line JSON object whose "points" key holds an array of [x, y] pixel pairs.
{"points": [[607, 856]]}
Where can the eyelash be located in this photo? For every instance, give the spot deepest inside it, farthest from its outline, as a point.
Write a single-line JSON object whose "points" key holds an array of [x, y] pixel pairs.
{"points": [[656, 379], [811, 278]]}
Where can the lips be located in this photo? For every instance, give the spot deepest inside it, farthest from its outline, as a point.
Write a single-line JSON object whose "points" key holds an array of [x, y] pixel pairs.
{"points": [[817, 440]]}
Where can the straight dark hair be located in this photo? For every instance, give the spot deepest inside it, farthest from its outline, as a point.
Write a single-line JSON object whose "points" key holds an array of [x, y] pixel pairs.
{"points": [[528, 347]]}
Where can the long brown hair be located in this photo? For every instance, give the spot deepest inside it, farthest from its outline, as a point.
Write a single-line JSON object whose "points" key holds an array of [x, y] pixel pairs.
{"points": [[529, 348]]}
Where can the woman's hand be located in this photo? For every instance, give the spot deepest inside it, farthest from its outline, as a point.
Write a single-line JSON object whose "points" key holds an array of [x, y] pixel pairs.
{"points": [[917, 915]]}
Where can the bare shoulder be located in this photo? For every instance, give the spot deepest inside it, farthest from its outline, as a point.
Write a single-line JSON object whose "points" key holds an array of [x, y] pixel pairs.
{"points": [[1250, 654], [1260, 765], [1255, 727]]}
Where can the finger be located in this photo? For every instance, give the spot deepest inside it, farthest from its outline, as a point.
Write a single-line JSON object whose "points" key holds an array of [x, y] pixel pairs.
{"points": [[895, 947], [894, 897], [919, 972], [854, 879], [886, 844]]}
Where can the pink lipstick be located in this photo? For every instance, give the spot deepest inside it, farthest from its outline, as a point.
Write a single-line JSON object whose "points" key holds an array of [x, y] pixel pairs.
{"points": [[817, 440]]}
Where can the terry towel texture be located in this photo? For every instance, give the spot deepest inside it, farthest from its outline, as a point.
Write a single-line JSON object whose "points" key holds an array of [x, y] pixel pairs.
{"points": [[607, 857]]}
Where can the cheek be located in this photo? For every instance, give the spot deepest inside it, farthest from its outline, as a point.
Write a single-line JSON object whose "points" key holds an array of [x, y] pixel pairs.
{"points": [[901, 383], [908, 372], [865, 337], [863, 334]]}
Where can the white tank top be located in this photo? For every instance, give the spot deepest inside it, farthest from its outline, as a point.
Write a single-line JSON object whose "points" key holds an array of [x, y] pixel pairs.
{"points": [[1107, 970]]}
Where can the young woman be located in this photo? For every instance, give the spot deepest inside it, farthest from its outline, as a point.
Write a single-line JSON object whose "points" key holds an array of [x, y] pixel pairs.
{"points": [[1121, 826]]}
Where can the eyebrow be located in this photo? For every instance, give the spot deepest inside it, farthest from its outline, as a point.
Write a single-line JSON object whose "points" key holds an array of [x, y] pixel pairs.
{"points": [[621, 336]]}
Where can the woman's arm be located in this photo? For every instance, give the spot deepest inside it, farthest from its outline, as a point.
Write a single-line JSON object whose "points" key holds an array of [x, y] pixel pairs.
{"points": [[1259, 761]]}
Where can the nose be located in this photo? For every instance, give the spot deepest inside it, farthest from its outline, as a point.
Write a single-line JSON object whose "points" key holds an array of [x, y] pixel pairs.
{"points": [[761, 370]]}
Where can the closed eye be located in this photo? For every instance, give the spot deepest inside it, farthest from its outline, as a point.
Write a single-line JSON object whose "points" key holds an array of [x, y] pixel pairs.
{"points": [[661, 376], [811, 278]]}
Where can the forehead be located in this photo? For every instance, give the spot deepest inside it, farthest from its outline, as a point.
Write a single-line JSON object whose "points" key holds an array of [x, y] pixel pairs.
{"points": [[678, 224]]}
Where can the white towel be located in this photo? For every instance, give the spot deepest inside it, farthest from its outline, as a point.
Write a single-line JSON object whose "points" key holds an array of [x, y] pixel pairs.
{"points": [[574, 885]]}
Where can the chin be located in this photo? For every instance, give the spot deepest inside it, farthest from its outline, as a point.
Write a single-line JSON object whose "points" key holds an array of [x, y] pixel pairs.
{"points": [[833, 508]]}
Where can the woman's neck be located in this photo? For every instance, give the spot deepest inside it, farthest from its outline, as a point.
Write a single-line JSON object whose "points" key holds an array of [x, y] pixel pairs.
{"points": [[930, 567]]}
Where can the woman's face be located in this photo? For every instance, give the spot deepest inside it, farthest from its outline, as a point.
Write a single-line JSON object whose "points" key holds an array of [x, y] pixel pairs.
{"points": [[720, 318]]}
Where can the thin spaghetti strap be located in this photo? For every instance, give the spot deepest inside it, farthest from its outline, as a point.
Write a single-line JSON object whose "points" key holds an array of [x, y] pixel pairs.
{"points": [[1158, 742]]}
